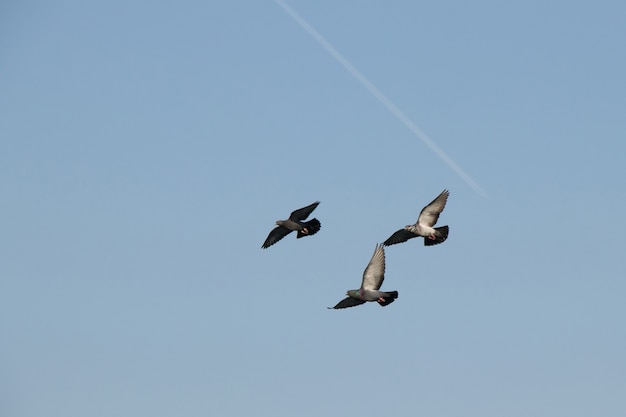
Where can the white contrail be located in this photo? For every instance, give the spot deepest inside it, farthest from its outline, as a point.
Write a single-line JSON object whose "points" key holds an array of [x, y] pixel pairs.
{"points": [[381, 97]]}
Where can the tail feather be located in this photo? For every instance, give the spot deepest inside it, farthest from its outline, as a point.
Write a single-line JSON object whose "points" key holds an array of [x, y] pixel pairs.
{"points": [[389, 299], [441, 234], [312, 227]]}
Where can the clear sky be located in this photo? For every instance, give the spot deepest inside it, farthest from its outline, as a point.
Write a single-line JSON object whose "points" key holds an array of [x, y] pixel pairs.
{"points": [[147, 148]]}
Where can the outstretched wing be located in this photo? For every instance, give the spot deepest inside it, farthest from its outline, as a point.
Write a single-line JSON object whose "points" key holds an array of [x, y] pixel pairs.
{"points": [[374, 273], [430, 214], [275, 235], [348, 302], [303, 213], [400, 236]]}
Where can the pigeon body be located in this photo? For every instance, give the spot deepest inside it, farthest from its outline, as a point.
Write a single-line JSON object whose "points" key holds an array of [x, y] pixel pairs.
{"points": [[424, 225], [373, 277], [295, 222]]}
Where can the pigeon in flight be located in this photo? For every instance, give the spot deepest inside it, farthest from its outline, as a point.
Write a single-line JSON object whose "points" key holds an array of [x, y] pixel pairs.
{"points": [[373, 277], [294, 222], [424, 225]]}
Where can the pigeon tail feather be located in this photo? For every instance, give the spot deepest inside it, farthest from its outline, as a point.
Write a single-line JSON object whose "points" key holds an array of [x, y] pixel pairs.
{"points": [[312, 226], [389, 299], [441, 234]]}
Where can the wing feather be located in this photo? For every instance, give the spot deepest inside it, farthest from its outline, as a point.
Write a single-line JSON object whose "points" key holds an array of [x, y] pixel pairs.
{"points": [[275, 235], [400, 236], [303, 213], [374, 273], [430, 214], [348, 302]]}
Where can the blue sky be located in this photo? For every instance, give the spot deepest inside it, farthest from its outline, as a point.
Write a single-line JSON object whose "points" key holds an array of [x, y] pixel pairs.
{"points": [[146, 149]]}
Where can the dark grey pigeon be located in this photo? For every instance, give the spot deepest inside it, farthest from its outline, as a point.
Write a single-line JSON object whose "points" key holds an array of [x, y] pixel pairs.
{"points": [[424, 225], [294, 222], [373, 277]]}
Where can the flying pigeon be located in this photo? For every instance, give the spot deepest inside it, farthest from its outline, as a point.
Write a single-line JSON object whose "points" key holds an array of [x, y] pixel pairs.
{"points": [[294, 222], [424, 225], [373, 277]]}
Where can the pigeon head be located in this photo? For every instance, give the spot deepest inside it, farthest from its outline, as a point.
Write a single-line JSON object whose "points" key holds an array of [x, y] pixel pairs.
{"points": [[353, 293]]}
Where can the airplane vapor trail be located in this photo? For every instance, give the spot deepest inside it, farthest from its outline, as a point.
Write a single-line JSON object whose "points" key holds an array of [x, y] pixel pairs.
{"points": [[381, 97]]}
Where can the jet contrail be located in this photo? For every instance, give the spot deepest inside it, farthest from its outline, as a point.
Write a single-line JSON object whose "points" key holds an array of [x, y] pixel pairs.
{"points": [[381, 97]]}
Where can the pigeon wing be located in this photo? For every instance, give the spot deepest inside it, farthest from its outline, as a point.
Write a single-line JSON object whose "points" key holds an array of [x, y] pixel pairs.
{"points": [[374, 273], [400, 236], [348, 302], [430, 214], [303, 213], [275, 235]]}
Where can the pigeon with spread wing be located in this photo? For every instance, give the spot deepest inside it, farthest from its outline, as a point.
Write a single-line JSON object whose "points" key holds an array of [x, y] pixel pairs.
{"points": [[294, 222], [373, 277], [424, 225]]}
